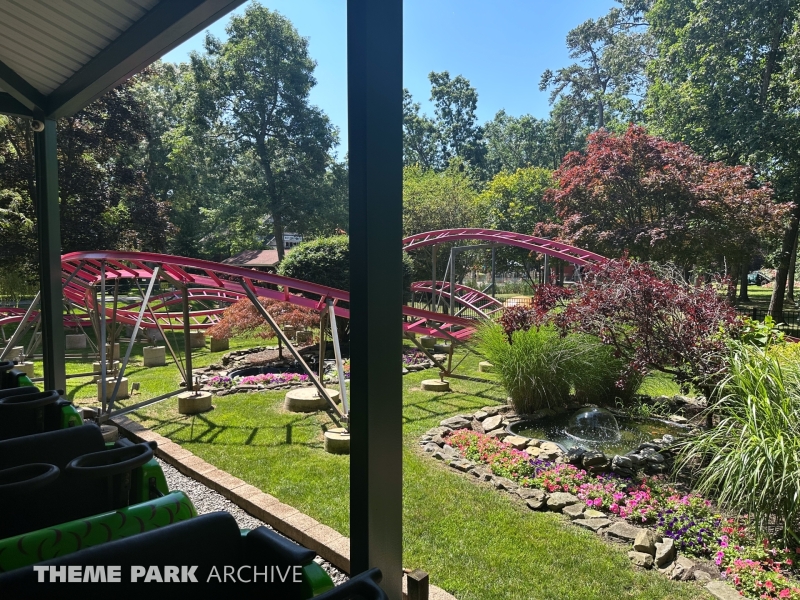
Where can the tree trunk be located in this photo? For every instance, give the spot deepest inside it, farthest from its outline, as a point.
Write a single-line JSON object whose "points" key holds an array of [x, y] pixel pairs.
{"points": [[733, 280], [743, 297], [277, 229], [792, 267], [789, 240]]}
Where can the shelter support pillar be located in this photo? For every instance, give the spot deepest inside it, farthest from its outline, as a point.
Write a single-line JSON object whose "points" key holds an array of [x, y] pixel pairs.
{"points": [[375, 95], [49, 234]]}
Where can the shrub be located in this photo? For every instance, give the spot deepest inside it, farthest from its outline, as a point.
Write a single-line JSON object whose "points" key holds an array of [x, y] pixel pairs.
{"points": [[326, 261], [243, 318], [539, 367], [751, 459], [652, 320]]}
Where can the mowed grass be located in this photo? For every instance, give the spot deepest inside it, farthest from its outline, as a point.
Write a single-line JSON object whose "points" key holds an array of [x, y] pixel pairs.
{"points": [[475, 542]]}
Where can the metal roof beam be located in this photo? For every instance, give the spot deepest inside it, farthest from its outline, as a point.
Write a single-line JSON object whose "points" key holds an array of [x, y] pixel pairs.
{"points": [[164, 27], [20, 90], [13, 107]]}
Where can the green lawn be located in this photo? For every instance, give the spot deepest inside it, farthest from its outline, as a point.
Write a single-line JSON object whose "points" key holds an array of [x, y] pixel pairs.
{"points": [[476, 543]]}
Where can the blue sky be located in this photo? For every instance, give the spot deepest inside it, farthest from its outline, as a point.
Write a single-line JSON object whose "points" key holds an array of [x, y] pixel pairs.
{"points": [[501, 46]]}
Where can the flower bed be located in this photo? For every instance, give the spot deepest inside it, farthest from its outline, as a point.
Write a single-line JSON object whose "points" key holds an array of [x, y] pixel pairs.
{"points": [[755, 567]]}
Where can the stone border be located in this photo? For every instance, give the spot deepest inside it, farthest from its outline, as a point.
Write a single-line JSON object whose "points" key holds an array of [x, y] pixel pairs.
{"points": [[328, 543], [648, 549]]}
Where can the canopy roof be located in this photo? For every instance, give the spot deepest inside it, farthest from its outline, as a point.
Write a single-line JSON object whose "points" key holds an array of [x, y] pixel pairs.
{"points": [[56, 56]]}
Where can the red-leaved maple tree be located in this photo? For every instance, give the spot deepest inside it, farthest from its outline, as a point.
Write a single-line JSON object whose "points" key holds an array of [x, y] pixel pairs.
{"points": [[653, 320], [659, 201], [243, 318]]}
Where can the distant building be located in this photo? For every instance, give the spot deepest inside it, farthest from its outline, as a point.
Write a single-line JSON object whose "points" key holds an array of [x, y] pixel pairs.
{"points": [[255, 259], [290, 240]]}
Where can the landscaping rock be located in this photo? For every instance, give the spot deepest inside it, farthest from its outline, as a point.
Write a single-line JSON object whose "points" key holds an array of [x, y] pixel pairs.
{"points": [[457, 422], [623, 531], [641, 559], [517, 441], [558, 500], [490, 410], [535, 504], [462, 465], [594, 458], [533, 451], [532, 494], [575, 455], [431, 447], [499, 434], [574, 511], [591, 513], [665, 552], [722, 591], [645, 542], [702, 577], [682, 569], [480, 415], [593, 524], [654, 457], [678, 419], [477, 426], [450, 451], [636, 459], [492, 423]]}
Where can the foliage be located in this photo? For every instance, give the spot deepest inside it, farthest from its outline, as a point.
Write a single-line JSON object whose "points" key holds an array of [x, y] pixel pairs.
{"points": [[453, 135], [539, 367], [324, 261], [723, 82], [658, 200], [653, 320], [106, 201], [751, 459], [514, 201], [514, 143], [438, 200], [254, 89], [608, 82], [242, 318]]}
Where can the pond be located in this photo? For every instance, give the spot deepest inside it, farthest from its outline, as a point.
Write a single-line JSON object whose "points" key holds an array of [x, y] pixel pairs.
{"points": [[596, 429]]}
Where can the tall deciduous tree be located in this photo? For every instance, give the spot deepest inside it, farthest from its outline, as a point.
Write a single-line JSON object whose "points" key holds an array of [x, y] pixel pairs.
{"points": [[722, 83], [660, 201], [459, 134], [607, 83], [258, 85]]}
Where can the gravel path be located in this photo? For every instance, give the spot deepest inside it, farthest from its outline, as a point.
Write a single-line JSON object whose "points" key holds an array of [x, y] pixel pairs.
{"points": [[206, 500]]}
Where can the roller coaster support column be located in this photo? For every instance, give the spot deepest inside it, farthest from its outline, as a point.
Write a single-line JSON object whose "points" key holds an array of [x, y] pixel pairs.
{"points": [[187, 340], [433, 278], [338, 353], [49, 234], [375, 118], [494, 284], [21, 328], [124, 364], [103, 347]]}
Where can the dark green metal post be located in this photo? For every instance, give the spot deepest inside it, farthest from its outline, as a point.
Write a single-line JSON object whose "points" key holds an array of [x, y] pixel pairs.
{"points": [[49, 231], [375, 113]]}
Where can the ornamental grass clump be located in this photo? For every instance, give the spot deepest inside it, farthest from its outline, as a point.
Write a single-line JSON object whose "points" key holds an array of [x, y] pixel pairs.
{"points": [[750, 461], [539, 367]]}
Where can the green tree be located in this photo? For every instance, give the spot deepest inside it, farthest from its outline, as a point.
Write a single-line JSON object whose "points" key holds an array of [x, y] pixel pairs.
{"points": [[419, 136], [458, 132], [514, 201], [517, 142], [605, 87], [722, 83], [438, 200], [256, 86]]}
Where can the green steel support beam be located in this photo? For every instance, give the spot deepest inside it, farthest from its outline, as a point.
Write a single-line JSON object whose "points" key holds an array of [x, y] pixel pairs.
{"points": [[375, 114], [164, 27], [22, 91], [13, 107], [49, 230]]}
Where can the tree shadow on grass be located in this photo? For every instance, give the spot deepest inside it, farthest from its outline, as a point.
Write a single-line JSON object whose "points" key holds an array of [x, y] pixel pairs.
{"points": [[213, 433]]}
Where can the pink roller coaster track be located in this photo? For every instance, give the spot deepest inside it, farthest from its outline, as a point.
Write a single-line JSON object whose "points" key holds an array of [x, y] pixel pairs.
{"points": [[216, 282]]}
